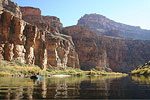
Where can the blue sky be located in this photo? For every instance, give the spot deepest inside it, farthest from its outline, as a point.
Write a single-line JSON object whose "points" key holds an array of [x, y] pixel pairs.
{"points": [[132, 12]]}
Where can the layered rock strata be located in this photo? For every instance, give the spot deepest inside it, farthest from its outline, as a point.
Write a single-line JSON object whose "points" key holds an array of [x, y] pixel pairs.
{"points": [[104, 26], [32, 44], [48, 23], [91, 56], [103, 53], [11, 7]]}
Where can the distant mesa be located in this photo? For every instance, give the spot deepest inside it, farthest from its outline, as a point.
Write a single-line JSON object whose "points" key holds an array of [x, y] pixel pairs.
{"points": [[102, 26]]}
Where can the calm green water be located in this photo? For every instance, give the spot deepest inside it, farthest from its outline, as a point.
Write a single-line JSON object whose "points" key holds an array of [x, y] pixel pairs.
{"points": [[76, 87]]}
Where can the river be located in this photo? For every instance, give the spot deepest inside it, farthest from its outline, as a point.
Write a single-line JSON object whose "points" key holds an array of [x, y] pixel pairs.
{"points": [[98, 87]]}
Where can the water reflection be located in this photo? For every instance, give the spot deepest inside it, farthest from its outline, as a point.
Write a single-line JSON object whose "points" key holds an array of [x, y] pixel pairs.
{"points": [[141, 79], [44, 88], [101, 87], [14, 88]]}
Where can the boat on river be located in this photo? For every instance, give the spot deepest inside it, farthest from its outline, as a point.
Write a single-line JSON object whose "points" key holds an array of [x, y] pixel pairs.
{"points": [[36, 76]]}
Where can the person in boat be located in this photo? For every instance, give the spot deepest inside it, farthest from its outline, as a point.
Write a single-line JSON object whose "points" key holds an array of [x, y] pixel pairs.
{"points": [[38, 73], [34, 76]]}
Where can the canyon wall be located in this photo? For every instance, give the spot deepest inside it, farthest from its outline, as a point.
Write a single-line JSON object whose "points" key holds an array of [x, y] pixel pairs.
{"points": [[31, 44], [31, 38], [101, 52], [104, 26], [49, 23], [11, 7]]}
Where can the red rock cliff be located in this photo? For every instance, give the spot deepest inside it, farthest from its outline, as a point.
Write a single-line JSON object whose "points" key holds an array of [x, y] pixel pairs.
{"points": [[30, 11], [48, 23], [30, 44], [102, 52], [11, 7], [87, 46]]}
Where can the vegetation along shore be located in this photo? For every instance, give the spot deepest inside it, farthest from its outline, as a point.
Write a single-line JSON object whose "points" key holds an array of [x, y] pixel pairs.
{"points": [[18, 69], [142, 70]]}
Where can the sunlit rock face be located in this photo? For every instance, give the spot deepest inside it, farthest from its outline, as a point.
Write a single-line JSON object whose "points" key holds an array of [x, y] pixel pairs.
{"points": [[61, 51], [33, 44], [48, 23], [42, 40], [18, 39], [102, 53], [30, 11], [10, 6]]}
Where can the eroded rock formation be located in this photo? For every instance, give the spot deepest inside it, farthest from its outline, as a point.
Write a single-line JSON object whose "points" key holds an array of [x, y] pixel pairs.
{"points": [[48, 23], [87, 46], [32, 44], [10, 6], [102, 52], [35, 39]]}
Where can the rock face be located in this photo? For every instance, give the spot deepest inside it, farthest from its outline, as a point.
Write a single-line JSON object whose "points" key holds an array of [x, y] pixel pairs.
{"points": [[86, 43], [36, 39], [103, 26], [48, 23], [113, 33], [31, 44], [103, 53], [30, 11], [11, 7]]}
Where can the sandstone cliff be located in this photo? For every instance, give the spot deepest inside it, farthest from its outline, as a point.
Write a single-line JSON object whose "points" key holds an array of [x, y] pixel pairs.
{"points": [[103, 26], [11, 7], [31, 38], [48, 23], [86, 43], [103, 53], [32, 44]]}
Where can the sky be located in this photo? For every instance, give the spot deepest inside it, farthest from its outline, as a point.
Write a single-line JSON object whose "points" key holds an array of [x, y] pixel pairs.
{"points": [[131, 12]]}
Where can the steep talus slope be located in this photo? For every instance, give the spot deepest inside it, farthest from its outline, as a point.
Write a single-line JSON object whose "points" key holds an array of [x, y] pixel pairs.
{"points": [[102, 52], [102, 25], [32, 44]]}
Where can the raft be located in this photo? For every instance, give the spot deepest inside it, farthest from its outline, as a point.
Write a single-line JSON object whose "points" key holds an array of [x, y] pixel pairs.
{"points": [[33, 77], [36, 77]]}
